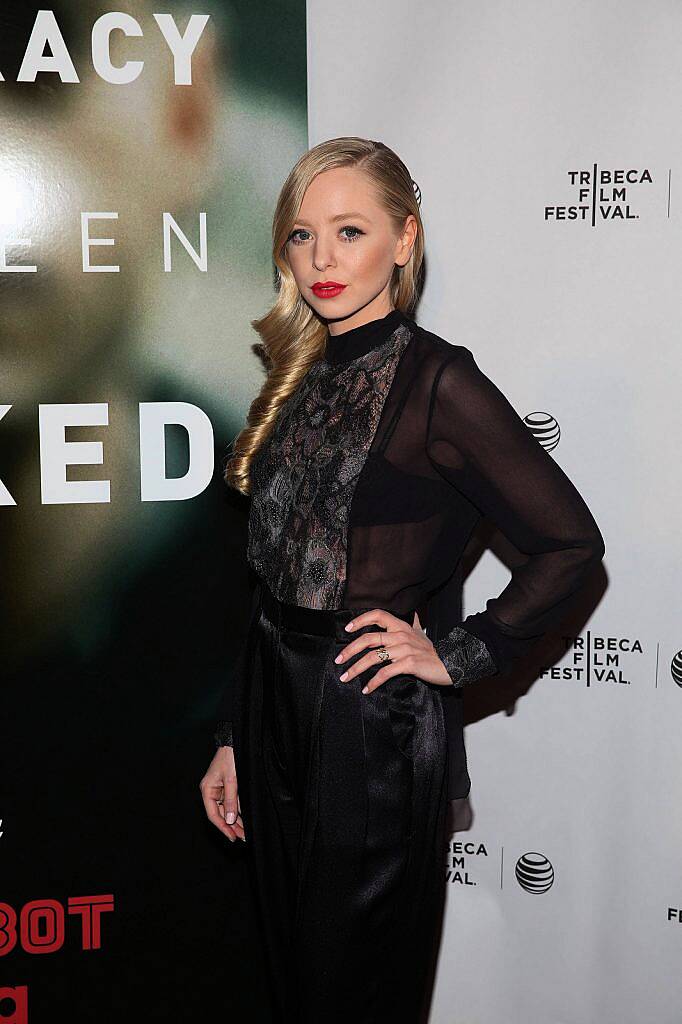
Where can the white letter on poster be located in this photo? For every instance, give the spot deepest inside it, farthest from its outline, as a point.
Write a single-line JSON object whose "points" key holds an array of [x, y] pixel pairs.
{"points": [[56, 453], [46, 30], [86, 242], [182, 47], [154, 484], [101, 51], [14, 268], [200, 259], [5, 497]]}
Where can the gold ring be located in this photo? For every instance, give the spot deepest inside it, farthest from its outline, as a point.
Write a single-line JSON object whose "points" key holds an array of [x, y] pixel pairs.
{"points": [[383, 654]]}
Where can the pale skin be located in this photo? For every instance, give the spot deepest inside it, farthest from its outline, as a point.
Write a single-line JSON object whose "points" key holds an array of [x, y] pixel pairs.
{"points": [[342, 234]]}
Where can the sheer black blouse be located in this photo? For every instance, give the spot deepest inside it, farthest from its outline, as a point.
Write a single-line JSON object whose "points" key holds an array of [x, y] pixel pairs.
{"points": [[377, 470]]}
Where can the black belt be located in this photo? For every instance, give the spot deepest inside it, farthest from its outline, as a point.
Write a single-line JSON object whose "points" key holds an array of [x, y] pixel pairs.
{"points": [[319, 621]]}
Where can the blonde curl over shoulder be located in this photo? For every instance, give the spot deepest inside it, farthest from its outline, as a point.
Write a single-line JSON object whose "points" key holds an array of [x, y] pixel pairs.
{"points": [[292, 336]]}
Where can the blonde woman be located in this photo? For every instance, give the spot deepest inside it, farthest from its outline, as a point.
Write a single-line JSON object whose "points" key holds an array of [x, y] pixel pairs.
{"points": [[371, 452]]}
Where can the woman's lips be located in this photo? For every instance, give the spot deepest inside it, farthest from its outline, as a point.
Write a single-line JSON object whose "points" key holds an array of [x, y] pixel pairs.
{"points": [[328, 290]]}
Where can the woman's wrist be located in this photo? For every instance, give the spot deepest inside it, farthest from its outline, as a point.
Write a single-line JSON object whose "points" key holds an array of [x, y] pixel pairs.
{"points": [[465, 656], [223, 734]]}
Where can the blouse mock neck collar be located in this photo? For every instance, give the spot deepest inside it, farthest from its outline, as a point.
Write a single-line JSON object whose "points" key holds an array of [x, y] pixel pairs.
{"points": [[359, 340]]}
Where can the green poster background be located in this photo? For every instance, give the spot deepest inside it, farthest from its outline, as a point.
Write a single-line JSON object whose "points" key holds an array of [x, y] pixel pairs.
{"points": [[120, 615]]}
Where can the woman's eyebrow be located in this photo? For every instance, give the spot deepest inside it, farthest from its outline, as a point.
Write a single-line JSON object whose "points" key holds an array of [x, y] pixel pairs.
{"points": [[340, 216]]}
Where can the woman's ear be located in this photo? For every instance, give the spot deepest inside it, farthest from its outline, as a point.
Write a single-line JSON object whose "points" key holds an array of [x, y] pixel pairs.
{"points": [[406, 240]]}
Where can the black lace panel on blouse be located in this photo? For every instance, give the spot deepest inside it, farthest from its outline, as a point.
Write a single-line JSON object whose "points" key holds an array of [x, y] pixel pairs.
{"points": [[305, 475]]}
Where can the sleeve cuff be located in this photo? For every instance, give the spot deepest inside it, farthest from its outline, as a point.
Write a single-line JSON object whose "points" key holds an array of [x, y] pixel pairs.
{"points": [[465, 657], [223, 734]]}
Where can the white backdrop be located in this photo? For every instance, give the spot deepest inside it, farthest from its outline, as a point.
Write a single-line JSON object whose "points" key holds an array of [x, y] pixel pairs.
{"points": [[492, 105]]}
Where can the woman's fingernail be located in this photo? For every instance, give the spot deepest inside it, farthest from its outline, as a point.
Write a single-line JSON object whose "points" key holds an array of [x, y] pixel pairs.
{"points": [[349, 625], [365, 689], [344, 676], [230, 817], [338, 659]]}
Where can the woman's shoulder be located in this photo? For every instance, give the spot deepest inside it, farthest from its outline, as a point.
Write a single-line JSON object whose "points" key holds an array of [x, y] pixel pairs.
{"points": [[448, 368], [437, 349]]}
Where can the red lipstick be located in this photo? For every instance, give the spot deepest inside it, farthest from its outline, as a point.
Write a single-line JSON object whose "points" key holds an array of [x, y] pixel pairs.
{"points": [[327, 289]]}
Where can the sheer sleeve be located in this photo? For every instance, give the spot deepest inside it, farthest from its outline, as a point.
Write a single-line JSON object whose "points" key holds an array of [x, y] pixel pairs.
{"points": [[223, 734], [480, 445]]}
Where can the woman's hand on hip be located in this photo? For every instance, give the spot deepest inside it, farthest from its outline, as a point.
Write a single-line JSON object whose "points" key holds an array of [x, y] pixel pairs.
{"points": [[409, 649], [219, 792]]}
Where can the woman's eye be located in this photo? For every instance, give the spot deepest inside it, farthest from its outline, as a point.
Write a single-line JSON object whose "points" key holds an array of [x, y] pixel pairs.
{"points": [[356, 232], [349, 227], [298, 231]]}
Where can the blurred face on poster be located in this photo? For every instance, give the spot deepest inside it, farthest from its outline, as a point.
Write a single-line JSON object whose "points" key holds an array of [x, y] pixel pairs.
{"points": [[127, 152], [121, 154]]}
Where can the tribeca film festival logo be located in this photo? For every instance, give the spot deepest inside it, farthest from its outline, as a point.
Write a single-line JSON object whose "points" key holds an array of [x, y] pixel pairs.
{"points": [[533, 871], [599, 195], [594, 659]]}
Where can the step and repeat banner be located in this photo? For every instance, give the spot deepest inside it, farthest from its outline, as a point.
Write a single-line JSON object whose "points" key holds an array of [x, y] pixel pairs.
{"points": [[141, 154], [544, 138], [142, 148]]}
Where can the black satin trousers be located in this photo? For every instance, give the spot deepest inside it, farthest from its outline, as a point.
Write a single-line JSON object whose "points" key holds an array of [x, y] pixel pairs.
{"points": [[343, 799]]}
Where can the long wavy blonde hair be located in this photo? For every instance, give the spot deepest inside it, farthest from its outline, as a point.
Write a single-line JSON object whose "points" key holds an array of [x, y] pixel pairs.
{"points": [[292, 336]]}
